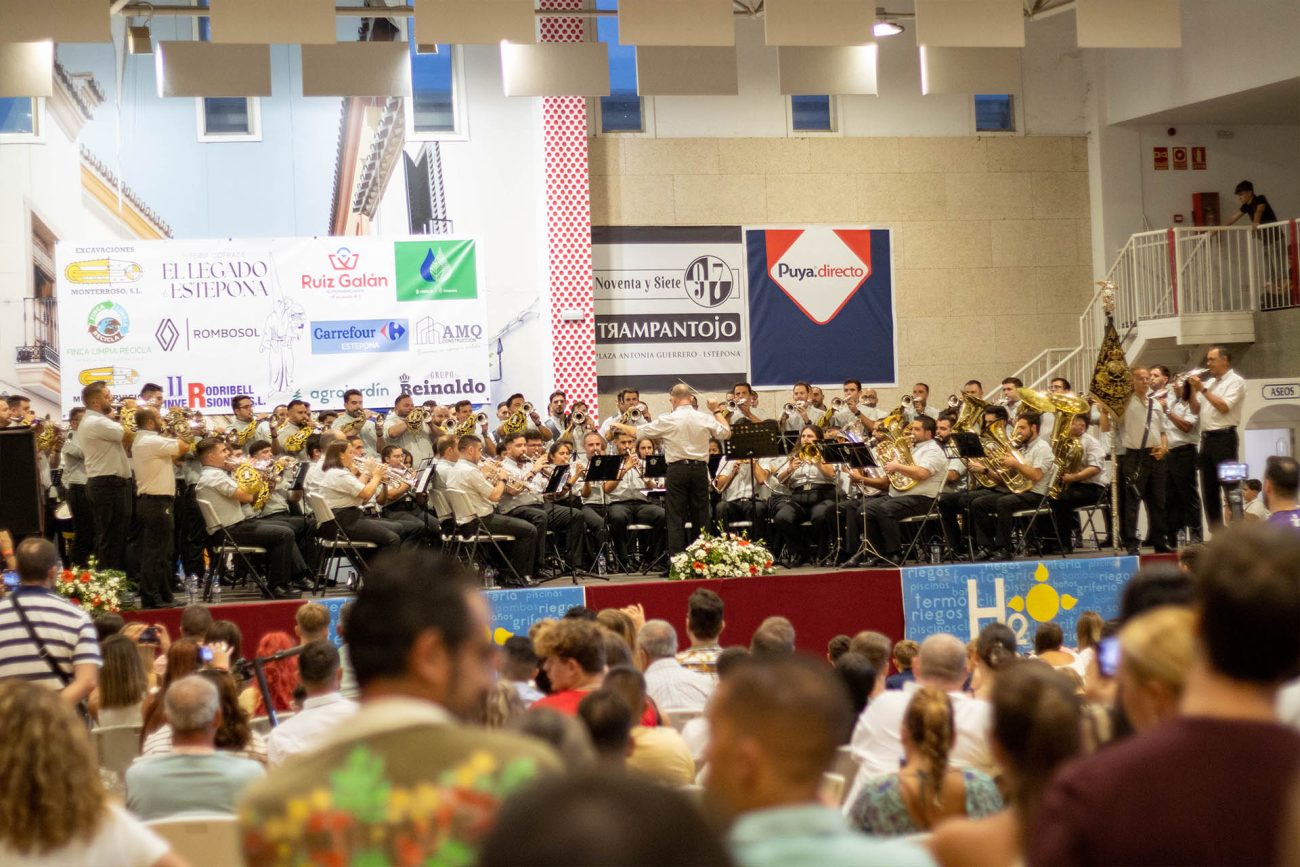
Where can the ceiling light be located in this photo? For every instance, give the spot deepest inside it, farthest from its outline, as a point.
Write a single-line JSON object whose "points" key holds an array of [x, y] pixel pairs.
{"points": [[885, 27], [140, 41]]}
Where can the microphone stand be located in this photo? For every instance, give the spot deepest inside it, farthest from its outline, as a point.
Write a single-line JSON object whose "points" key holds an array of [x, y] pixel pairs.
{"points": [[259, 671]]}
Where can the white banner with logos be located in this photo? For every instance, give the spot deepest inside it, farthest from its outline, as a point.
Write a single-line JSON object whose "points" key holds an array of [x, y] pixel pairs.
{"points": [[670, 306], [275, 318]]}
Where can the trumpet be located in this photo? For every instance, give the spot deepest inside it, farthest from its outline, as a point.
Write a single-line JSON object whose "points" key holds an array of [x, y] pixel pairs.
{"points": [[954, 402], [792, 408], [1176, 382], [577, 419], [838, 403], [632, 416]]}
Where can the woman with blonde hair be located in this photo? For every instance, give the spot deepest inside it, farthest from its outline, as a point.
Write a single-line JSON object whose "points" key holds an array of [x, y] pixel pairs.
{"points": [[620, 623], [926, 789], [1155, 656], [53, 808]]}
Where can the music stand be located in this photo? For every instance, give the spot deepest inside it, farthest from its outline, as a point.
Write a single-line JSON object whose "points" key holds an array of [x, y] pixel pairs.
{"points": [[656, 467], [604, 468], [557, 479], [300, 476], [752, 441], [967, 445]]}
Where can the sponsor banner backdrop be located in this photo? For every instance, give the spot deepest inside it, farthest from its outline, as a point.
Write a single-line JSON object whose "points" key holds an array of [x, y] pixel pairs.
{"points": [[276, 319], [963, 598], [821, 305], [669, 305], [513, 611]]}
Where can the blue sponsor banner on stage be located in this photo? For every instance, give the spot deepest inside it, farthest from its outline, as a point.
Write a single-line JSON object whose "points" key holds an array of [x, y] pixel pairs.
{"points": [[513, 611], [963, 598], [360, 335], [821, 305], [334, 604]]}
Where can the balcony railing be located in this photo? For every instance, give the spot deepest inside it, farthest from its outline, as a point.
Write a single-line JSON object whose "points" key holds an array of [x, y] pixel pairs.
{"points": [[40, 332]]}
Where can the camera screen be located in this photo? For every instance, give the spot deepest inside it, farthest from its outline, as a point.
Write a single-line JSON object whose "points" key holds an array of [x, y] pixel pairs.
{"points": [[1233, 472]]}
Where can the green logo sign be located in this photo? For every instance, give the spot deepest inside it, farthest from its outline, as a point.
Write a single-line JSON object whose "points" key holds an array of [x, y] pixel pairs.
{"points": [[435, 270]]}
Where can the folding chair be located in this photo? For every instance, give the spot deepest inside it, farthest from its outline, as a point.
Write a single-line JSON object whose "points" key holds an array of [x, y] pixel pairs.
{"points": [[472, 532], [223, 547], [1088, 523], [333, 540], [202, 841], [1032, 514], [116, 747], [921, 521]]}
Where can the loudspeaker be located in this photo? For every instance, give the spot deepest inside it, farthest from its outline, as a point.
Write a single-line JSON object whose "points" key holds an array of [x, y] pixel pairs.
{"points": [[21, 510]]}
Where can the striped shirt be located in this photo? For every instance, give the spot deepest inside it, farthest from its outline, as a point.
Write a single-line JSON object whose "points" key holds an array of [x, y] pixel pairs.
{"points": [[66, 630]]}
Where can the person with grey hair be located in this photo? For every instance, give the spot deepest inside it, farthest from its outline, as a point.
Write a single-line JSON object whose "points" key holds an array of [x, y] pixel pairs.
{"points": [[671, 685], [194, 777], [877, 741], [773, 639]]}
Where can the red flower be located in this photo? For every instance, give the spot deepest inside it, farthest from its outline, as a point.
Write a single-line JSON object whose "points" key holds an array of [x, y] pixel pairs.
{"points": [[768, 564], [97, 600], [85, 577], [697, 565], [67, 577], [742, 542], [753, 570]]}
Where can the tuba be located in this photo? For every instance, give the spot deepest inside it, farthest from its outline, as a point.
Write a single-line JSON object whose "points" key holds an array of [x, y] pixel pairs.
{"points": [[49, 435], [997, 445], [971, 420], [1067, 452], [416, 417], [896, 445], [126, 417]]}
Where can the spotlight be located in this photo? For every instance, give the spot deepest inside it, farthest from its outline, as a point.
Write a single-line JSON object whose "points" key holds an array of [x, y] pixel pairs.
{"points": [[885, 27], [140, 41]]}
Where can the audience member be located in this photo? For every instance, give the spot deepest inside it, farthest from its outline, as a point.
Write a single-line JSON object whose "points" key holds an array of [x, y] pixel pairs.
{"points": [[311, 622], [995, 649], [1170, 795], [195, 620], [182, 659], [595, 820], [122, 686], [1154, 585], [620, 623], [581, 612], [776, 726], [696, 731], [617, 651], [927, 788], [1049, 642], [837, 647], [234, 733], [564, 733], [108, 623], [194, 777], [876, 648], [281, 676], [419, 635], [704, 625], [225, 634], [668, 683], [877, 742], [905, 652], [501, 706], [773, 640], [519, 666], [659, 752], [323, 709], [859, 679], [608, 718], [348, 685], [53, 808], [1036, 729], [44, 638], [1087, 633], [573, 656], [1281, 488], [1156, 650]]}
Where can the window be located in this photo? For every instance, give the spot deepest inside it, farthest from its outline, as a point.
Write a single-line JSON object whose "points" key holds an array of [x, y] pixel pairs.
{"points": [[811, 114], [225, 118], [995, 112], [621, 111], [434, 109], [19, 116]]}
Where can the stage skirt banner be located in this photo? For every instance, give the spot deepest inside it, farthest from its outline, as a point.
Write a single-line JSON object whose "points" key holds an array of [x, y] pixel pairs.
{"points": [[274, 318], [669, 307], [821, 306], [963, 598], [513, 611]]}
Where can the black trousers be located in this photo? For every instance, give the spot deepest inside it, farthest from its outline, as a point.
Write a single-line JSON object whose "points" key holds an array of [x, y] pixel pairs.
{"points": [[1066, 519], [191, 535], [519, 552], [278, 541], [816, 505], [883, 514], [155, 515], [301, 538], [572, 523], [541, 522], [752, 510], [995, 514], [1217, 446], [83, 525], [963, 504], [686, 499], [1182, 499], [361, 528], [619, 515], [1141, 480], [110, 502], [593, 519]]}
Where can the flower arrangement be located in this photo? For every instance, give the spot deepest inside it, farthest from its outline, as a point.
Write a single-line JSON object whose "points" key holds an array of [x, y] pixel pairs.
{"points": [[91, 589], [726, 556]]}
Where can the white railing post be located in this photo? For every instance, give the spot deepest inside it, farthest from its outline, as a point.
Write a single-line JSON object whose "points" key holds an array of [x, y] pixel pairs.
{"points": [[1252, 278]]}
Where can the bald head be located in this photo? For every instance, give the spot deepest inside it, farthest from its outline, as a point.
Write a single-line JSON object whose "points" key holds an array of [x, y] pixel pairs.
{"points": [[192, 704], [942, 662], [681, 392], [657, 640]]}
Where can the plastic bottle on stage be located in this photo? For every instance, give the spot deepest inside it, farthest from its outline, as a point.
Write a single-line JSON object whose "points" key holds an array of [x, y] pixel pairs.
{"points": [[489, 577], [216, 590], [600, 563], [936, 552]]}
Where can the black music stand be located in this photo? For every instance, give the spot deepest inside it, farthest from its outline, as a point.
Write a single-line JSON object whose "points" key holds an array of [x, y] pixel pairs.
{"points": [[968, 447], [656, 467], [752, 441], [604, 468]]}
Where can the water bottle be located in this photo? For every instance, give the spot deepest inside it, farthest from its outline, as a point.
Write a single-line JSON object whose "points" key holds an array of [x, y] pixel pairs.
{"points": [[192, 591], [183, 583], [489, 577], [600, 564], [216, 590], [936, 552]]}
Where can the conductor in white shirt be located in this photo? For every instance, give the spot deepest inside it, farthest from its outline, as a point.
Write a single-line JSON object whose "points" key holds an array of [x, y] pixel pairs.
{"points": [[684, 433], [324, 709], [1217, 400]]}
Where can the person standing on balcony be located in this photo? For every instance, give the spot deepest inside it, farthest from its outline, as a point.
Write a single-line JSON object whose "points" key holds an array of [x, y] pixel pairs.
{"points": [[1258, 210], [108, 474], [1255, 207], [1217, 402]]}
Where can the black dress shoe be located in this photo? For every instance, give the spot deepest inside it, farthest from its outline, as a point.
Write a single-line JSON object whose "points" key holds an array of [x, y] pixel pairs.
{"points": [[853, 562], [285, 593]]}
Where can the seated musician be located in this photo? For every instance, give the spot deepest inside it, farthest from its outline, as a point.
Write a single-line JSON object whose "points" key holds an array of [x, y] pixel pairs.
{"points": [[929, 469], [483, 487], [397, 501], [560, 458], [346, 486], [230, 507], [1032, 458], [811, 483], [1082, 486], [981, 483], [280, 506], [739, 500], [592, 497], [522, 500], [630, 504]]}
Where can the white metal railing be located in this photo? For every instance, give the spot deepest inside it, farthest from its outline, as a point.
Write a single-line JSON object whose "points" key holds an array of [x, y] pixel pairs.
{"points": [[1169, 272]]}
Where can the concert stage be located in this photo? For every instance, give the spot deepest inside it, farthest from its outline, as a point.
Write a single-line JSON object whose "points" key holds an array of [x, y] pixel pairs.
{"points": [[911, 602]]}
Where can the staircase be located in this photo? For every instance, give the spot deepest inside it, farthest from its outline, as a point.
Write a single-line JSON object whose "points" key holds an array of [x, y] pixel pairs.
{"points": [[1182, 287]]}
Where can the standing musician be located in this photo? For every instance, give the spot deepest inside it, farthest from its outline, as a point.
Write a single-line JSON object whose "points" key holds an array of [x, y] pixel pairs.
{"points": [[397, 505], [684, 433], [929, 468], [628, 400], [483, 493], [1143, 446], [1084, 486], [746, 401], [246, 428], [811, 483], [1011, 399], [346, 486], [797, 417], [920, 403], [1217, 402], [974, 388], [108, 475], [355, 420], [521, 500], [230, 506], [857, 414], [628, 503], [1031, 458], [297, 417], [1180, 423], [557, 421], [412, 435], [152, 457], [74, 481]]}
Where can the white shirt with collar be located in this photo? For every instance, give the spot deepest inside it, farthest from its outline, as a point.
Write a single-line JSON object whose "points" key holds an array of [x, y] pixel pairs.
{"points": [[630, 487], [340, 489], [73, 461], [528, 497], [1135, 423], [1038, 455], [675, 687], [414, 441], [101, 443], [1231, 389], [369, 436], [1094, 455], [1180, 410], [929, 455], [151, 457], [319, 716], [878, 746], [685, 433], [216, 488], [741, 486], [604, 431], [469, 480]]}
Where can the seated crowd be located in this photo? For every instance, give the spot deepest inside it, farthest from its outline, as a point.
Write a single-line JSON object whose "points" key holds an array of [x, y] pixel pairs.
{"points": [[1166, 735]]}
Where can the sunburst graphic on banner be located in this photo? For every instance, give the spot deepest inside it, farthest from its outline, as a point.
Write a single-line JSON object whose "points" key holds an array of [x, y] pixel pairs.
{"points": [[1042, 602]]}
